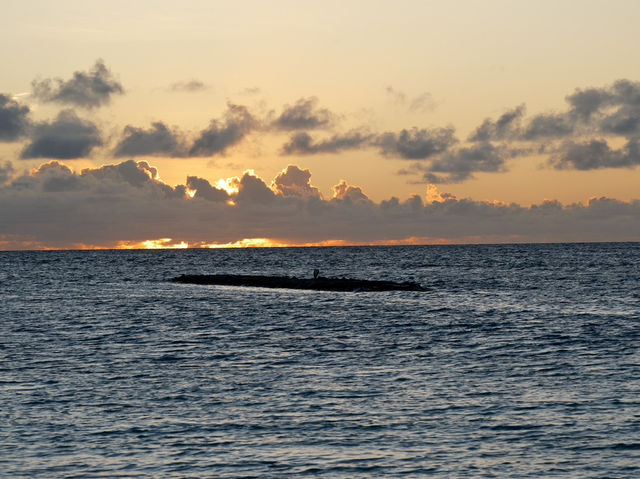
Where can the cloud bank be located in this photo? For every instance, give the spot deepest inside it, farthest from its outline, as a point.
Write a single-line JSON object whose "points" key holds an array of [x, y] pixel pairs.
{"points": [[127, 203]]}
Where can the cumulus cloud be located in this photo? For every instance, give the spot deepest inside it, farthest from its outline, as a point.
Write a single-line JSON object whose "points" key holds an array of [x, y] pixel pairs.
{"points": [[294, 182], [203, 189], [303, 144], [66, 137], [159, 140], [190, 86], [127, 202], [460, 165], [14, 119], [222, 134], [253, 191], [304, 115], [84, 89], [505, 127], [596, 154], [416, 144], [548, 125], [577, 137], [345, 191], [584, 103]]}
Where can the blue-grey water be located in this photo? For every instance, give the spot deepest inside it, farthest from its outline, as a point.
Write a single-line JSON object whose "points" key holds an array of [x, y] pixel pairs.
{"points": [[519, 361]]}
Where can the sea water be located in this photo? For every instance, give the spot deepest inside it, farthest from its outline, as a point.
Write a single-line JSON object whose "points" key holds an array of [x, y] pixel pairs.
{"points": [[518, 361]]}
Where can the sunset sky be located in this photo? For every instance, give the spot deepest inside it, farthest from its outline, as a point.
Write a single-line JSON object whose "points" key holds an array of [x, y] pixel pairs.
{"points": [[156, 123]]}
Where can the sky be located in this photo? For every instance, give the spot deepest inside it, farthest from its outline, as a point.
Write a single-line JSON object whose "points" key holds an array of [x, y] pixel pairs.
{"points": [[249, 123]]}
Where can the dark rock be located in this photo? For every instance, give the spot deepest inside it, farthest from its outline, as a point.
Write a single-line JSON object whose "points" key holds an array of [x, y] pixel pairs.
{"points": [[318, 283]]}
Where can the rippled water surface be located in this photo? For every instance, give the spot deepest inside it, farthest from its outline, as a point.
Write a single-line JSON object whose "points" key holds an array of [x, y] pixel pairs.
{"points": [[519, 360]]}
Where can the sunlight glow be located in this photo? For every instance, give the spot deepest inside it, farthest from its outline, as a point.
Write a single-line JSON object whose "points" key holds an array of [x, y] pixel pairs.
{"points": [[230, 185], [161, 243], [248, 243]]}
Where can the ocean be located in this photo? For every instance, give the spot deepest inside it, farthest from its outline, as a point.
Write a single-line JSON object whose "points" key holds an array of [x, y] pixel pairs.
{"points": [[518, 361]]}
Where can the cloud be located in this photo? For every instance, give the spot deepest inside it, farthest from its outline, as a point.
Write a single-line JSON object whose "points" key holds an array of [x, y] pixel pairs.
{"points": [[624, 122], [14, 120], [85, 89], [421, 103], [304, 115], [159, 140], [505, 127], [462, 163], [596, 154], [344, 191], [190, 86], [585, 103], [548, 125], [6, 172], [399, 97], [204, 190], [416, 144], [294, 182], [250, 91], [303, 144], [67, 137], [222, 134], [128, 203]]}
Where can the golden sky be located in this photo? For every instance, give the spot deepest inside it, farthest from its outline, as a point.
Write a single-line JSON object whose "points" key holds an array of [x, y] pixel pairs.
{"points": [[492, 102]]}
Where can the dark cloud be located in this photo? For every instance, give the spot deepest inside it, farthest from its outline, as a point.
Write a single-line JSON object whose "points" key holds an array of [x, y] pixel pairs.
{"points": [[626, 92], [126, 202], [190, 86], [304, 115], [548, 125], [611, 110], [14, 120], [596, 154], [294, 182], [252, 190], [303, 144], [416, 144], [222, 134], [623, 122], [159, 140], [204, 190], [461, 164], [505, 127], [85, 89], [584, 103], [6, 172], [66, 137]]}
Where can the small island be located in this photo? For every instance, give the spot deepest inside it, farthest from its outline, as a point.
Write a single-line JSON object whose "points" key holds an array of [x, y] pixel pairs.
{"points": [[318, 283]]}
